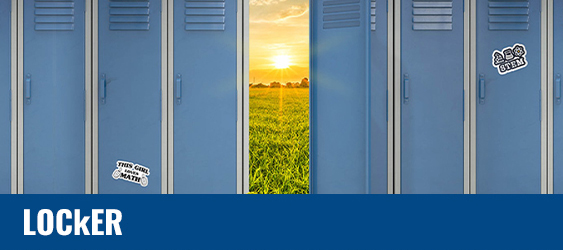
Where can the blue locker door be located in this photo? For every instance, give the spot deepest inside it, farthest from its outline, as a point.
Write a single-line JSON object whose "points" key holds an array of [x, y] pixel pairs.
{"points": [[129, 87], [205, 98], [5, 97], [54, 98], [379, 98], [432, 67], [340, 93], [557, 106], [508, 85]]}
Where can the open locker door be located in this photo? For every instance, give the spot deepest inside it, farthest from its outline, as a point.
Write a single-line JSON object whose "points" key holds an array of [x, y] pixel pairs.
{"points": [[340, 96]]}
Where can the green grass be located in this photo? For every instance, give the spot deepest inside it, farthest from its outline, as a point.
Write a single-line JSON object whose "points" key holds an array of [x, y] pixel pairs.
{"points": [[279, 141]]}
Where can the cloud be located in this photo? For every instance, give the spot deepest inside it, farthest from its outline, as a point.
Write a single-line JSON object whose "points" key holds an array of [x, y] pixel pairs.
{"points": [[293, 11], [265, 2], [285, 46]]}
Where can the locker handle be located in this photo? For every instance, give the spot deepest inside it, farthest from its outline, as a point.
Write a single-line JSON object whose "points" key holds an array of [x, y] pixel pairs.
{"points": [[102, 88], [481, 88], [178, 89], [28, 88], [406, 86], [558, 89]]}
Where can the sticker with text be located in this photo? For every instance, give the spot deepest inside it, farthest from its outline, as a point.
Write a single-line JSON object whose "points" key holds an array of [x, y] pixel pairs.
{"points": [[132, 172], [510, 59]]}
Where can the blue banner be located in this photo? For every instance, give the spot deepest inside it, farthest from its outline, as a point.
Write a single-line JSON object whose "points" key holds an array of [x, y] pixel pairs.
{"points": [[282, 221]]}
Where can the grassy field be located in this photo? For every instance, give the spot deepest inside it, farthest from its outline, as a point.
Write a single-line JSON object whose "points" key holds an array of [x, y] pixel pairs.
{"points": [[279, 141]]}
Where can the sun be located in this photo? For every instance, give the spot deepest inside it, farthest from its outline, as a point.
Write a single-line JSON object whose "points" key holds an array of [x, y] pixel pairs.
{"points": [[281, 61]]}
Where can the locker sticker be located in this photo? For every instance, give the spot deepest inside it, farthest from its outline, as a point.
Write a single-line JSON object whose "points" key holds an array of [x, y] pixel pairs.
{"points": [[132, 172], [510, 59]]}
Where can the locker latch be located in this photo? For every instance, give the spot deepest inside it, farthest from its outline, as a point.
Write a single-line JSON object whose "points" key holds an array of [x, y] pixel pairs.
{"points": [[558, 89], [102, 88], [481, 88], [406, 86], [178, 89], [28, 88]]}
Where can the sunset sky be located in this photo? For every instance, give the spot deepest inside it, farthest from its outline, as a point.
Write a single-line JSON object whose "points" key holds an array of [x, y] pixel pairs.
{"points": [[279, 40]]}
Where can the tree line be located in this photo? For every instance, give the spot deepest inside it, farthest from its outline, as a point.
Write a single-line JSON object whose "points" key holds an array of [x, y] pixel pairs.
{"points": [[303, 84]]}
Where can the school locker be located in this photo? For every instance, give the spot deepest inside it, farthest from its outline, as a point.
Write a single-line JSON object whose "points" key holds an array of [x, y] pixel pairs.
{"points": [[205, 96], [557, 107], [54, 96], [432, 96], [507, 81], [129, 95], [379, 96], [5, 97], [348, 96]]}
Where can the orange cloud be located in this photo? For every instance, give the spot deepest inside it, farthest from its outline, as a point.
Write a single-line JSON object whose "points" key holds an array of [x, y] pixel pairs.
{"points": [[293, 11]]}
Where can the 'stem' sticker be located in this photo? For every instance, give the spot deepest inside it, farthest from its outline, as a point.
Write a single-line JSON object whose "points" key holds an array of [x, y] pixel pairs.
{"points": [[510, 59]]}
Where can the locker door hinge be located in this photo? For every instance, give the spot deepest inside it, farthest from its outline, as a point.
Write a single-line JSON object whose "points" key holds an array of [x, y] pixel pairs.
{"points": [[387, 6], [540, 105]]}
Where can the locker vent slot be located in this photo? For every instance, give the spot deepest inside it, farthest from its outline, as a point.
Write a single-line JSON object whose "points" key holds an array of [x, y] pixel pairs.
{"points": [[132, 15], [342, 14], [373, 8], [432, 15], [509, 15], [54, 15], [205, 15]]}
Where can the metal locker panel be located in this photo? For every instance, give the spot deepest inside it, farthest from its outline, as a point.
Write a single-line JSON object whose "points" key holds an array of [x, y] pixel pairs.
{"points": [[379, 93], [54, 96], [340, 96], [432, 92], [129, 93], [205, 96], [5, 97], [508, 100], [557, 106]]}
